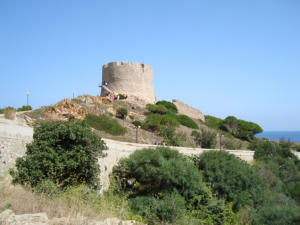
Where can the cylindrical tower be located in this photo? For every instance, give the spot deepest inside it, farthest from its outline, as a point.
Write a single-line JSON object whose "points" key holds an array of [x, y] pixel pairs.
{"points": [[132, 79]]}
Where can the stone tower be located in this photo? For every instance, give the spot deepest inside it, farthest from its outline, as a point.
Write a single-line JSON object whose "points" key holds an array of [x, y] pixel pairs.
{"points": [[132, 79]]}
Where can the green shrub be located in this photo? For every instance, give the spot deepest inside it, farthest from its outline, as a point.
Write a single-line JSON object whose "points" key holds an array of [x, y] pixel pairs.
{"points": [[282, 163], [121, 113], [169, 207], [278, 210], [105, 123], [24, 108], [9, 113], [186, 121], [213, 122], [121, 97], [230, 178], [240, 128], [205, 139], [156, 170], [285, 143], [131, 117], [63, 153], [154, 122], [169, 105], [163, 185], [137, 123], [229, 143], [171, 137], [158, 109]]}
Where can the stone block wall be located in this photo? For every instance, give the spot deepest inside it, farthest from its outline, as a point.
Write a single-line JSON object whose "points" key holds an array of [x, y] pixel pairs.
{"points": [[133, 79], [188, 110]]}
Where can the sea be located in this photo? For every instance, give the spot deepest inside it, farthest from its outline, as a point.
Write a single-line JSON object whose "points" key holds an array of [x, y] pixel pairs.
{"points": [[294, 136]]}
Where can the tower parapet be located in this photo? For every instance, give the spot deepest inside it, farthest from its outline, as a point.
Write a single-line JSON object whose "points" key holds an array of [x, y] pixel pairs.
{"points": [[133, 79]]}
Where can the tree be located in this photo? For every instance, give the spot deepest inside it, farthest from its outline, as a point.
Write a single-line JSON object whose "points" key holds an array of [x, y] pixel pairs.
{"points": [[64, 153], [122, 113]]}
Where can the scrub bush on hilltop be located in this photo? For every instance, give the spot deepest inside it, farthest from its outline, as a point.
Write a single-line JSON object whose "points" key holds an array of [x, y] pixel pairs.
{"points": [[169, 105], [164, 186], [187, 121], [159, 109], [63, 154], [24, 108]]}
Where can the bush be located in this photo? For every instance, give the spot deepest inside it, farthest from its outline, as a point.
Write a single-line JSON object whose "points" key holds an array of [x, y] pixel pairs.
{"points": [[153, 177], [229, 143], [64, 153], [205, 139], [158, 109], [282, 163], [230, 178], [170, 207], [137, 123], [171, 137], [156, 170], [277, 211], [213, 122], [169, 105], [163, 185], [122, 113], [121, 97], [9, 113], [105, 123], [24, 108], [187, 121], [154, 122]]}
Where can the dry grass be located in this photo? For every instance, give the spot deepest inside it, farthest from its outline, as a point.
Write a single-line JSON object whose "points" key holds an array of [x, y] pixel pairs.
{"points": [[76, 205], [9, 113]]}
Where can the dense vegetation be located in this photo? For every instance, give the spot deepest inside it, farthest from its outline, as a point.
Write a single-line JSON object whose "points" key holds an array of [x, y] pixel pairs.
{"points": [[24, 108], [169, 105], [63, 154], [205, 138], [163, 185], [241, 129], [230, 178], [186, 121], [280, 171], [104, 123], [163, 119]]}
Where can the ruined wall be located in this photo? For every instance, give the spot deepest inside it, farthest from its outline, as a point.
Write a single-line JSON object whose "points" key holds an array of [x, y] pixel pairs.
{"points": [[133, 79], [188, 110]]}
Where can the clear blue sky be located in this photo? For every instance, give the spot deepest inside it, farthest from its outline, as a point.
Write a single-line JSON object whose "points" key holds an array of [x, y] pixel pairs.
{"points": [[237, 58]]}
